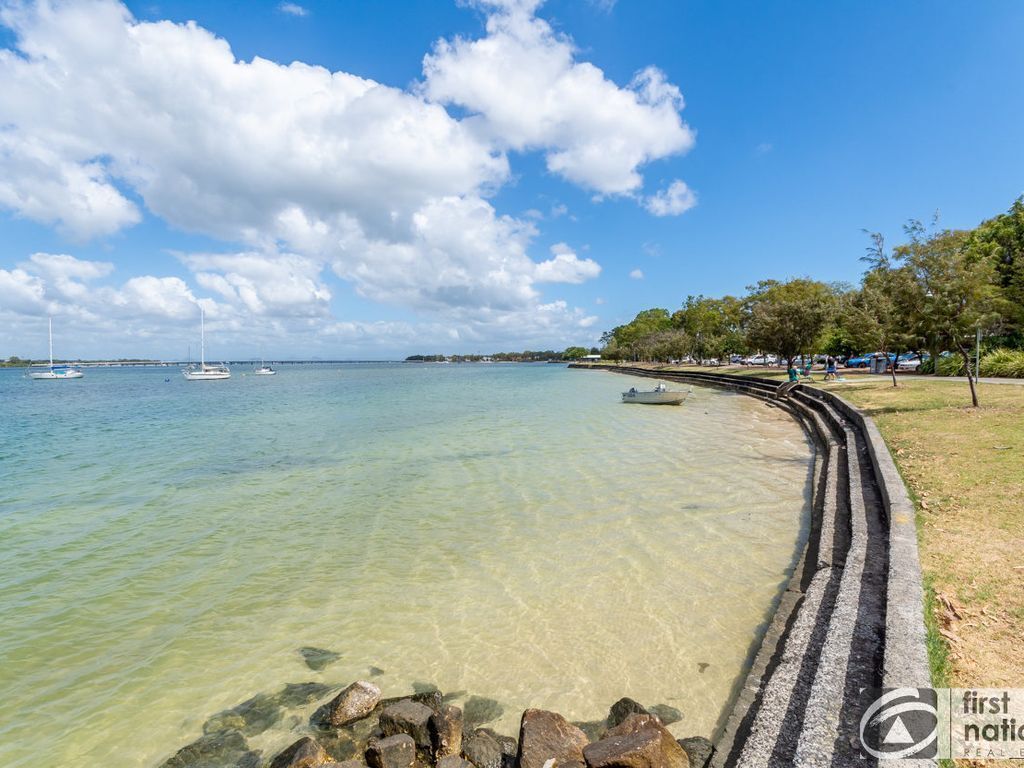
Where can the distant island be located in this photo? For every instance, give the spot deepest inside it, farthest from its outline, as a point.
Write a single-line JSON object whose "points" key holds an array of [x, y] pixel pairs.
{"points": [[527, 356]]}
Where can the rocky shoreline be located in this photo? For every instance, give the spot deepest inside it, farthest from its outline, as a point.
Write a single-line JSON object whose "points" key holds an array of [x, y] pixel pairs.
{"points": [[360, 728]]}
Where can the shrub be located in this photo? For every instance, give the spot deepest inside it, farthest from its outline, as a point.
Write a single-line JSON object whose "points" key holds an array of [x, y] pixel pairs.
{"points": [[1003, 362], [951, 365]]}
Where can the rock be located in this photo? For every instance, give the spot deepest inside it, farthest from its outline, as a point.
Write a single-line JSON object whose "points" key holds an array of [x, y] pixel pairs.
{"points": [[479, 710], [222, 748], [347, 764], [318, 658], [376, 671], [446, 731], [304, 753], [432, 699], [339, 744], [483, 750], [301, 694], [251, 717], [409, 717], [354, 703], [392, 752], [508, 745], [671, 754], [698, 749], [419, 687], [453, 761], [622, 709], [640, 749], [593, 728], [666, 714], [544, 735]]}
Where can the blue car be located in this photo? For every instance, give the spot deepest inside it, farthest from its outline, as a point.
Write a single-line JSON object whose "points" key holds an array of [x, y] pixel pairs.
{"points": [[863, 361]]}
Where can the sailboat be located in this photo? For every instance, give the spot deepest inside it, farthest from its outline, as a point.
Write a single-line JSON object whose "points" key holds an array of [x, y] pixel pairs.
{"points": [[55, 371], [205, 372], [264, 370]]}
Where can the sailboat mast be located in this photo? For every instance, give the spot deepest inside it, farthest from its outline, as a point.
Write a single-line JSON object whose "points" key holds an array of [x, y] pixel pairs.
{"points": [[202, 338], [51, 340]]}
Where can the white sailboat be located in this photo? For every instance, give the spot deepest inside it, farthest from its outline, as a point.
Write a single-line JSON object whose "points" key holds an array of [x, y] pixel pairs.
{"points": [[205, 372], [264, 369], [55, 372]]}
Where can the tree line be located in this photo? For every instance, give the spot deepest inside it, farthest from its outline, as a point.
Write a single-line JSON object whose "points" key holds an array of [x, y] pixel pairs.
{"points": [[932, 293]]}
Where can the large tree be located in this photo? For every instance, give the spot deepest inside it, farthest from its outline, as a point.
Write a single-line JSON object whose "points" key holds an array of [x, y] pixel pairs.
{"points": [[1000, 240], [788, 318]]}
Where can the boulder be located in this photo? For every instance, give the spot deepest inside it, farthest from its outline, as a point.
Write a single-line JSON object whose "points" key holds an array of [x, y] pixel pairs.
{"points": [[347, 764], [622, 709], [666, 714], [354, 703], [508, 745], [409, 717], [392, 752], [318, 658], [453, 761], [640, 749], [671, 754], [250, 718], [225, 747], [698, 749], [446, 731], [304, 753], [544, 735], [433, 699], [483, 750]]}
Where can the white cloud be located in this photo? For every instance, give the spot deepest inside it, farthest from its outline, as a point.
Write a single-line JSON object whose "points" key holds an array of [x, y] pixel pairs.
{"points": [[763, 148], [292, 9], [22, 292], [566, 267], [637, 274], [676, 199], [528, 91]]}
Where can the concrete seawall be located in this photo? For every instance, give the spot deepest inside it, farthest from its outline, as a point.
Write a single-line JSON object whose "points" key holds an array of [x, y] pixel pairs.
{"points": [[851, 617]]}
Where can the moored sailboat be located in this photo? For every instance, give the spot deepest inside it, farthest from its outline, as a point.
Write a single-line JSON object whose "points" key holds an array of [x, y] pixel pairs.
{"points": [[55, 372], [205, 372]]}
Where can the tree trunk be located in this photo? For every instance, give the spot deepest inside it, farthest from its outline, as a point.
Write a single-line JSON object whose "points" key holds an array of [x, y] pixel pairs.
{"points": [[970, 375], [893, 368]]}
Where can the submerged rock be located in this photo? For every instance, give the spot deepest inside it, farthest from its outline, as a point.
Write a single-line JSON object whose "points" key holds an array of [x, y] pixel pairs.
{"points": [[698, 749], [376, 671], [354, 703], [431, 698], [300, 694], [318, 658], [304, 753], [409, 717], [251, 717], [544, 735], [622, 709], [340, 745], [397, 751], [593, 728], [509, 746], [483, 750], [446, 731], [214, 750], [479, 710], [670, 753], [666, 714]]}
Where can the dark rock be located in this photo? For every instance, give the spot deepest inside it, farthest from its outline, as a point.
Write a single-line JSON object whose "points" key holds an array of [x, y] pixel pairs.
{"points": [[213, 749], [698, 749], [409, 717], [251, 717], [304, 753], [452, 696], [544, 735], [354, 703], [640, 749], [671, 754], [347, 764], [339, 744], [622, 709], [418, 687], [446, 731], [666, 714], [432, 699], [392, 752], [376, 671], [301, 694], [508, 745], [483, 750], [453, 761], [318, 658], [479, 710], [593, 728]]}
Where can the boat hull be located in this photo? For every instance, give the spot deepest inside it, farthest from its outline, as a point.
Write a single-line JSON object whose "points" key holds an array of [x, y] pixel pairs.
{"points": [[654, 398], [206, 375], [264, 373], [55, 375]]}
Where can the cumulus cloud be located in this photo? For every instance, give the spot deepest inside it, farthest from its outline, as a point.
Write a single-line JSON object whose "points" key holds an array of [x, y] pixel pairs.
{"points": [[292, 9], [527, 90], [299, 169], [677, 198], [637, 274], [566, 267]]}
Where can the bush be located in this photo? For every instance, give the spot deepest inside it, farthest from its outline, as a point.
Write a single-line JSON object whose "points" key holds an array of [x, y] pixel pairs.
{"points": [[1003, 362], [951, 365]]}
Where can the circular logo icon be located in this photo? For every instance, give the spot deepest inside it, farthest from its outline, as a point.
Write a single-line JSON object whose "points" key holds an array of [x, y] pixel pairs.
{"points": [[902, 722]]}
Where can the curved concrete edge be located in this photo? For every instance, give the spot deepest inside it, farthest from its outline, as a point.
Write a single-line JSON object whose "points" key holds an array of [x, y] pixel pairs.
{"points": [[905, 657]]}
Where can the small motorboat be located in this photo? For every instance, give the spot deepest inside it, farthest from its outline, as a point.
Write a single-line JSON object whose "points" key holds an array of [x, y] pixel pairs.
{"points": [[660, 395]]}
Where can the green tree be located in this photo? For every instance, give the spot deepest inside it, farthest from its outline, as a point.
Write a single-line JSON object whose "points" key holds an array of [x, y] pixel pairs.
{"points": [[1000, 240], [788, 318], [574, 353]]}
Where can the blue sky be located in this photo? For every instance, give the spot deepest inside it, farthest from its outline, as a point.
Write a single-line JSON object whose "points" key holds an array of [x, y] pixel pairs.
{"points": [[803, 123]]}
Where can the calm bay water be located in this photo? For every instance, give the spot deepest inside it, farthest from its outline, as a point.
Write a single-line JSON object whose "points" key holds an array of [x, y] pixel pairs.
{"points": [[509, 531]]}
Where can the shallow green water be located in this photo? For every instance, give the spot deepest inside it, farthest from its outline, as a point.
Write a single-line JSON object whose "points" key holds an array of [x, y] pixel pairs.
{"points": [[510, 531]]}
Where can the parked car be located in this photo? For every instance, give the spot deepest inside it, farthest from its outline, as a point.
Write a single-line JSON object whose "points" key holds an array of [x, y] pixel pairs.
{"points": [[736, 359], [761, 360], [863, 361], [911, 361]]}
